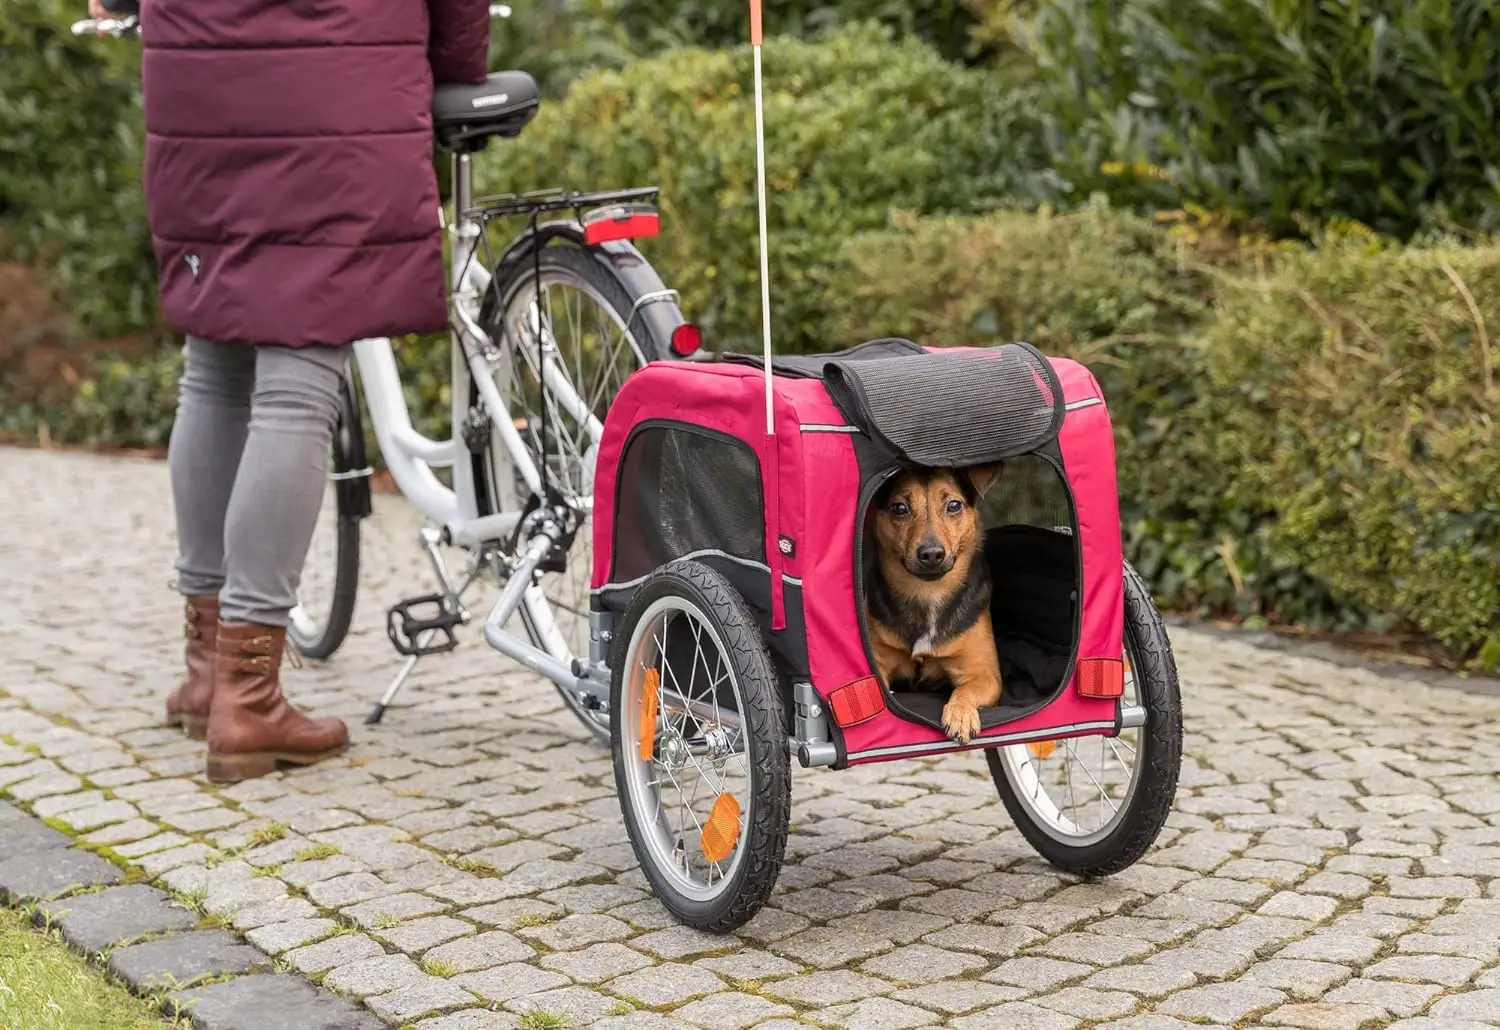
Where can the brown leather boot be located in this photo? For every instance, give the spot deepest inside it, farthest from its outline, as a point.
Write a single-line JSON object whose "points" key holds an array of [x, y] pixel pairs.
{"points": [[188, 705], [251, 727]]}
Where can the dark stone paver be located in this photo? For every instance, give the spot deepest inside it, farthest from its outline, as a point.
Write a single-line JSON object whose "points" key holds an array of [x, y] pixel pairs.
{"points": [[270, 1001], [50, 872], [92, 922], [27, 836], [183, 958]]}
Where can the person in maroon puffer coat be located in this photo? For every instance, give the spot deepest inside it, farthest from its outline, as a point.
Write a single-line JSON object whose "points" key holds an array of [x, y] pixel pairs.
{"points": [[294, 209]]}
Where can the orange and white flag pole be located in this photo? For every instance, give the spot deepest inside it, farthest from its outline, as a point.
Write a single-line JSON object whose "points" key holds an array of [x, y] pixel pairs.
{"points": [[756, 39]]}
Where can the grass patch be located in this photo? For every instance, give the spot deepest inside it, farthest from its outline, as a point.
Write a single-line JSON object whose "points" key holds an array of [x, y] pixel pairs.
{"points": [[474, 866], [538, 1019], [432, 967], [45, 986], [315, 852], [267, 834], [105, 852], [267, 870], [536, 919]]}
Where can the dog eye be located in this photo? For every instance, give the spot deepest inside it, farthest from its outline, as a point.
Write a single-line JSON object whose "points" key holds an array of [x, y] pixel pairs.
{"points": [[900, 510], [955, 506]]}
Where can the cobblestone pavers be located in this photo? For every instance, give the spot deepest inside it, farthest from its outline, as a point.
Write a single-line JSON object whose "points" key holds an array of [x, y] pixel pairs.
{"points": [[1333, 860]]}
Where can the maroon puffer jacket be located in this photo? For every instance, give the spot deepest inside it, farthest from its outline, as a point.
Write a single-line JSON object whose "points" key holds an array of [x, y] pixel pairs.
{"points": [[289, 179]]}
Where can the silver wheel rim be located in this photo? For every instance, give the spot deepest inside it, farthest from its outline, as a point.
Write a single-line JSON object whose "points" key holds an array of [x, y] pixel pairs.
{"points": [[576, 335], [1079, 793], [670, 813]]}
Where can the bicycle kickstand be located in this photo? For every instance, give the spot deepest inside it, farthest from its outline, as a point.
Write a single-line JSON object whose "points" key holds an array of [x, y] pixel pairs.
{"points": [[411, 634]]}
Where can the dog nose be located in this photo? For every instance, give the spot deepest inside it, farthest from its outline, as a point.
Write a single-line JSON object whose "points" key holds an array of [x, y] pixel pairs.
{"points": [[930, 556]]}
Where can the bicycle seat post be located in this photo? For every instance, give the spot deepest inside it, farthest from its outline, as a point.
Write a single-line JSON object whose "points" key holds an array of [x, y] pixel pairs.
{"points": [[464, 230]]}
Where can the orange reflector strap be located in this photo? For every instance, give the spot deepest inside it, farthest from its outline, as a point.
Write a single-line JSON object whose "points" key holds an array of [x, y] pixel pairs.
{"points": [[1101, 677], [650, 704], [722, 830]]}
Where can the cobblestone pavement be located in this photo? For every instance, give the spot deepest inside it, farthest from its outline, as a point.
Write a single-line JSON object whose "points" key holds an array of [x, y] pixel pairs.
{"points": [[1333, 862]]}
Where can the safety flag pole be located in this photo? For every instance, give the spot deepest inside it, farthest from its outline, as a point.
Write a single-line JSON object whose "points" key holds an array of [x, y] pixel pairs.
{"points": [[756, 40]]}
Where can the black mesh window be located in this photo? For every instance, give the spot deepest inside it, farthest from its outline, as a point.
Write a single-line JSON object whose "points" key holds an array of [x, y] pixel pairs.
{"points": [[683, 490], [1028, 492]]}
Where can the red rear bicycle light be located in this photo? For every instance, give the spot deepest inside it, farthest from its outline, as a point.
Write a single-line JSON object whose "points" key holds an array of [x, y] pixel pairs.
{"points": [[686, 339], [620, 222]]}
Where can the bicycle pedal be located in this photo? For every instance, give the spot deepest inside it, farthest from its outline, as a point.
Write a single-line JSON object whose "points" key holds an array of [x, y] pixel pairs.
{"points": [[406, 627]]}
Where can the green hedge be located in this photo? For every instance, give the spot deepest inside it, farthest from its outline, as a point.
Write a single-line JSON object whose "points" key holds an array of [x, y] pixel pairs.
{"points": [[1361, 386], [73, 206], [1305, 435], [1380, 111], [857, 128], [948, 25]]}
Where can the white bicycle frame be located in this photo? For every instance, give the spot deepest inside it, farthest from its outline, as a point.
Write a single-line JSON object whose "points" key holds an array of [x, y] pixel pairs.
{"points": [[411, 457]]}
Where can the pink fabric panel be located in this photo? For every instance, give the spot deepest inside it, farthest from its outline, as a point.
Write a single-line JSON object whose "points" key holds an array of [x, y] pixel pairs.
{"points": [[835, 647], [1088, 449]]}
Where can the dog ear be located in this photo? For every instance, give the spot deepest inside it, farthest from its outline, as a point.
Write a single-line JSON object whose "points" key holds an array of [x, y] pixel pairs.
{"points": [[982, 477]]}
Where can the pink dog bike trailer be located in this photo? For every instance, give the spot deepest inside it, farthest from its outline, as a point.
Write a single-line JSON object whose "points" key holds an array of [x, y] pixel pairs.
{"points": [[785, 519]]}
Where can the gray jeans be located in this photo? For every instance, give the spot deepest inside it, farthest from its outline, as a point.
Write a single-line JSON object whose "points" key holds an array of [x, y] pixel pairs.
{"points": [[249, 463]]}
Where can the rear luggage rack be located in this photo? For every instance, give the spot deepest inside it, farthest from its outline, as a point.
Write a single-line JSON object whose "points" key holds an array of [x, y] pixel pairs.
{"points": [[510, 205]]}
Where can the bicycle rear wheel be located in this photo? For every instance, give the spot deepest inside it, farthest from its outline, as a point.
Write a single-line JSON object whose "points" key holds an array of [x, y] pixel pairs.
{"points": [[585, 316]]}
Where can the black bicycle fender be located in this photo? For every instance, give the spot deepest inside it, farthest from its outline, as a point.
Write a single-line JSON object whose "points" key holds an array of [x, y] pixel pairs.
{"points": [[659, 314], [353, 493]]}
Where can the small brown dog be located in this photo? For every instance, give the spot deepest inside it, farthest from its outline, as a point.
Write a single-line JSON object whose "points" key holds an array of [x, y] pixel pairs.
{"points": [[928, 594]]}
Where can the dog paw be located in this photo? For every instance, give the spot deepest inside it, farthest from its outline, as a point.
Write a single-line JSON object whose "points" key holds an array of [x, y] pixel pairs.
{"points": [[961, 721]]}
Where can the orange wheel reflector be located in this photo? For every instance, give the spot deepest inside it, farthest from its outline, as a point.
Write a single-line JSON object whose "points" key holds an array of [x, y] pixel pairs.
{"points": [[650, 703], [1043, 748], [722, 830]]}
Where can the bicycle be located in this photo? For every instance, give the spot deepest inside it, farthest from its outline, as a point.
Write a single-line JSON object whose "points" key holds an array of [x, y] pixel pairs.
{"points": [[525, 418]]}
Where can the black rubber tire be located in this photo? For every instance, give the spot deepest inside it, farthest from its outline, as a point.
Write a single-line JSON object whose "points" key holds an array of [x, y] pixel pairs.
{"points": [[766, 741], [336, 621], [586, 267], [1160, 750]]}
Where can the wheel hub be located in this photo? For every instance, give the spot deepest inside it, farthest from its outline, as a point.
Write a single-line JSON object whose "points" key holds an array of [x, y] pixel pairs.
{"points": [[718, 745], [672, 751]]}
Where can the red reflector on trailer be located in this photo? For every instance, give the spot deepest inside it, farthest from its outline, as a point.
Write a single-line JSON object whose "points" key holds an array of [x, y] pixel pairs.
{"points": [[857, 702], [622, 222], [1101, 677], [686, 339]]}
